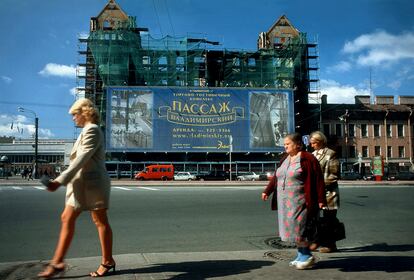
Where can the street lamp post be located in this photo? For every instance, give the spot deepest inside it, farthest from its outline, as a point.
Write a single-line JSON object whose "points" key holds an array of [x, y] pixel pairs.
{"points": [[344, 119], [230, 150], [21, 109]]}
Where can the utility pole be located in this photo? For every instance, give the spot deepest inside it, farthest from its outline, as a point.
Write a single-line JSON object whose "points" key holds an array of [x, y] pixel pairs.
{"points": [[21, 109], [230, 150]]}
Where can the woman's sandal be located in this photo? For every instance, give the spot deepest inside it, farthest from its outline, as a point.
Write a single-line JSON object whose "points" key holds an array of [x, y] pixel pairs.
{"points": [[106, 272], [52, 270]]}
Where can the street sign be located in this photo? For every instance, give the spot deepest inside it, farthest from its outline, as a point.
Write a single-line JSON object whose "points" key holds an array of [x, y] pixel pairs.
{"points": [[305, 140]]}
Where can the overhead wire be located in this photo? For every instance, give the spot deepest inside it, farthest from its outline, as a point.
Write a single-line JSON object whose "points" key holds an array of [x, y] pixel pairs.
{"points": [[158, 18], [169, 17]]}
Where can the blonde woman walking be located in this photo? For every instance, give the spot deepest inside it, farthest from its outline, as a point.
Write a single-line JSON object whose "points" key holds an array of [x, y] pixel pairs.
{"points": [[88, 188]]}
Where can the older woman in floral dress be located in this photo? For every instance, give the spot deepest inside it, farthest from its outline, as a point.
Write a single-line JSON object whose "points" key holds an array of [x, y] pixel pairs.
{"points": [[298, 193]]}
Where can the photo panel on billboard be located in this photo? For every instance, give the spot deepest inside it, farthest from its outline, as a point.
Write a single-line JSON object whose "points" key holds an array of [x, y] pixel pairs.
{"points": [[177, 119]]}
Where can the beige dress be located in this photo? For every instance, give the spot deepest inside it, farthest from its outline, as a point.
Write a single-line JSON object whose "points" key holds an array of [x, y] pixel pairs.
{"points": [[87, 181]]}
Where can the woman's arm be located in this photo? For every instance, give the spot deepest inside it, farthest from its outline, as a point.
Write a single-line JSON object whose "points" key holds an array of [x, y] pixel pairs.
{"points": [[86, 149], [270, 188]]}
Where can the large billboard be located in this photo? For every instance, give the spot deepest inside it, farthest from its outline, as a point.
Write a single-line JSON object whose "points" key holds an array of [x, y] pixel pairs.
{"points": [[164, 119]]}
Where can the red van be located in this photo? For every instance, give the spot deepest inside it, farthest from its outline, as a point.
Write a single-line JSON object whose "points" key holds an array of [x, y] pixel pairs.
{"points": [[156, 172]]}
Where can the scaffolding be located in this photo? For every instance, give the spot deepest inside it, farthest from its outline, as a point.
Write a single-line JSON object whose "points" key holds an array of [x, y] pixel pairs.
{"points": [[126, 56]]}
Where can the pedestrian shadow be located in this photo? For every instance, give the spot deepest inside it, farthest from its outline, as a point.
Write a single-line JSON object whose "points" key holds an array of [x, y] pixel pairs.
{"points": [[369, 263], [200, 269], [380, 247]]}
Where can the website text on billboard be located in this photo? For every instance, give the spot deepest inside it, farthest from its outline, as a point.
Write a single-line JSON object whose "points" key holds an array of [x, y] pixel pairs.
{"points": [[177, 119]]}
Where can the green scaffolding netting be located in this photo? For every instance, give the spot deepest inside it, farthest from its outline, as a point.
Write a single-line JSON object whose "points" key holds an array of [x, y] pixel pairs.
{"points": [[126, 57]]}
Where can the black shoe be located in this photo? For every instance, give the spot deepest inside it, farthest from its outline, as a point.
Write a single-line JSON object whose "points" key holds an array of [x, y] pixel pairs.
{"points": [[106, 272]]}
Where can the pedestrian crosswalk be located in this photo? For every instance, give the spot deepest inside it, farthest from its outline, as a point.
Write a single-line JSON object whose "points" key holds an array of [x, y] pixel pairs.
{"points": [[141, 188], [41, 188]]}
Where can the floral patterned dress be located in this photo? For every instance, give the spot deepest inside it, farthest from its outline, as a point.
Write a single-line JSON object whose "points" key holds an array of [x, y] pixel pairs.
{"points": [[291, 201]]}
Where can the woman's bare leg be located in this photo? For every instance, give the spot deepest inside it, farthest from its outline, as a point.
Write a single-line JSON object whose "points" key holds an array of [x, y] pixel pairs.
{"points": [[100, 219], [67, 230]]}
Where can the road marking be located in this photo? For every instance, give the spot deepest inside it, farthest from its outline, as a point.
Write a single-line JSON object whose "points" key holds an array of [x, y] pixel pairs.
{"points": [[146, 188], [17, 188], [40, 188], [122, 188], [245, 188]]}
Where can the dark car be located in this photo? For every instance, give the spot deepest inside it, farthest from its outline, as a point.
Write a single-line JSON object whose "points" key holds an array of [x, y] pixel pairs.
{"points": [[214, 176], [350, 175], [404, 176]]}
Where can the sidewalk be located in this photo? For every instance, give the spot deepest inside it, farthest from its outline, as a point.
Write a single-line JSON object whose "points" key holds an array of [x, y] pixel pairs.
{"points": [[371, 262]]}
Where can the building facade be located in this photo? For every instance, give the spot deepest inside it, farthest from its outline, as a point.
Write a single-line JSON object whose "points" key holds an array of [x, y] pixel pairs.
{"points": [[361, 131], [52, 154]]}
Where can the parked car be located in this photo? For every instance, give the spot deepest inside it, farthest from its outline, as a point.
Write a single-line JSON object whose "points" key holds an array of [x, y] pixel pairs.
{"points": [[184, 176], [248, 176], [156, 172], [405, 176], [350, 175], [214, 176], [267, 176]]}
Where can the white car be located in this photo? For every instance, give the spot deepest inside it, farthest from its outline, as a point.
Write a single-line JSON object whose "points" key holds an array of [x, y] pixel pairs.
{"points": [[184, 176], [248, 176]]}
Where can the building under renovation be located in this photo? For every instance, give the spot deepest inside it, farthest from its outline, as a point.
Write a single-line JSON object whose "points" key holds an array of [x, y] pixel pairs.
{"points": [[121, 61]]}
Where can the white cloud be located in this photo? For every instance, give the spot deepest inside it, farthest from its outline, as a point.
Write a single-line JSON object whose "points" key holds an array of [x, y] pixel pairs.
{"points": [[6, 79], [73, 91], [395, 84], [77, 93], [381, 47], [342, 66], [83, 35], [338, 94], [20, 126], [53, 69]]}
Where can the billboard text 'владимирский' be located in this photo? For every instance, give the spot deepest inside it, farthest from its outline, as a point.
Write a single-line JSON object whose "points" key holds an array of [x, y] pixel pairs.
{"points": [[197, 119]]}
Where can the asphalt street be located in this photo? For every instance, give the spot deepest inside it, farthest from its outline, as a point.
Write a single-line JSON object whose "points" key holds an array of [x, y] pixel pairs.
{"points": [[154, 219]]}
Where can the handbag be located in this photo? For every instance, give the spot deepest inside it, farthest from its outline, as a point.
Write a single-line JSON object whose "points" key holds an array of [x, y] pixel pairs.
{"points": [[338, 231], [330, 229]]}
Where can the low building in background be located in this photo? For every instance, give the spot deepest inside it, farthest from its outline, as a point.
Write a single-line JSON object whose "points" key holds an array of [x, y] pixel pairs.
{"points": [[364, 130]]}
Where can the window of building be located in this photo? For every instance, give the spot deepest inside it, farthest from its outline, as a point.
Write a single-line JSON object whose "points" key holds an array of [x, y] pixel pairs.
{"points": [[179, 60], [377, 150], [352, 152], [162, 60], [201, 59], [401, 151], [146, 60], [338, 129], [351, 128], [365, 151], [327, 129], [389, 130], [389, 151], [400, 130], [377, 131], [364, 130], [251, 62], [276, 61]]}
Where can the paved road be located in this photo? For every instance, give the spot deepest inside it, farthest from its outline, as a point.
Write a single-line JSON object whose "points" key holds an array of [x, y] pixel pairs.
{"points": [[152, 219]]}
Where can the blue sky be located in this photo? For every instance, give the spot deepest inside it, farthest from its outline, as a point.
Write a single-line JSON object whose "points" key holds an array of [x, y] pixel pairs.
{"points": [[38, 47]]}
